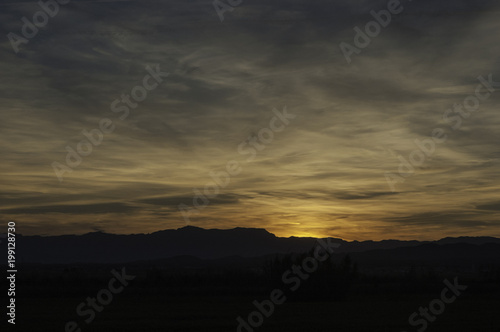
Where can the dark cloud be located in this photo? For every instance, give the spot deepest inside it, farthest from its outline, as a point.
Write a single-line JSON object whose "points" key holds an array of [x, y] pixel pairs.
{"points": [[174, 201], [489, 207], [74, 209], [350, 196]]}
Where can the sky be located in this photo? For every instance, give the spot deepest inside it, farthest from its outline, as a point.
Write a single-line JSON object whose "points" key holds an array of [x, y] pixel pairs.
{"points": [[322, 172]]}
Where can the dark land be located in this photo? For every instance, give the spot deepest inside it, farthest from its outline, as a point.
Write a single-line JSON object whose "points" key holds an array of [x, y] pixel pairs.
{"points": [[193, 279]]}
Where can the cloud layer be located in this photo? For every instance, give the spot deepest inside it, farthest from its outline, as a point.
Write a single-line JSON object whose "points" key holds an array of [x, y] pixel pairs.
{"points": [[324, 175]]}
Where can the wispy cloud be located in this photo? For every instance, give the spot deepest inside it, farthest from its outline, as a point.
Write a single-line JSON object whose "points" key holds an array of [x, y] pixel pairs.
{"points": [[322, 176]]}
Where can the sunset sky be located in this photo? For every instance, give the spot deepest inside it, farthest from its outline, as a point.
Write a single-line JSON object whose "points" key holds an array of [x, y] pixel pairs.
{"points": [[323, 175]]}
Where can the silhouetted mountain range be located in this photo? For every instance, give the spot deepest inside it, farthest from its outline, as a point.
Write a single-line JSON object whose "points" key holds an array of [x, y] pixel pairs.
{"points": [[201, 243]]}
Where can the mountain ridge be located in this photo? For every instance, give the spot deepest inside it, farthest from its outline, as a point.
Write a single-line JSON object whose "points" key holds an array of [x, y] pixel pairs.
{"points": [[100, 247]]}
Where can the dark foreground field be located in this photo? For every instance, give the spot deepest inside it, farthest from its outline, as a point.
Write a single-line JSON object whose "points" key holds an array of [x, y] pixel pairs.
{"points": [[371, 291], [156, 313], [334, 300]]}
